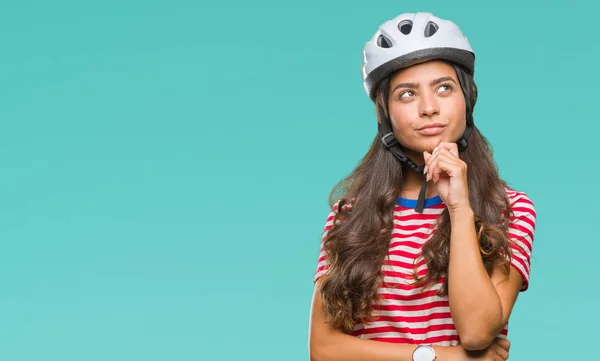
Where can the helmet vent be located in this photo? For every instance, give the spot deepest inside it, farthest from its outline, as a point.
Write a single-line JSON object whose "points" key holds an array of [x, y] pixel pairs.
{"points": [[405, 27], [430, 29], [384, 42]]}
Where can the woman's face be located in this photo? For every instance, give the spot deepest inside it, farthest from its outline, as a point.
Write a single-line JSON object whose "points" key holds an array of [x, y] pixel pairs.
{"points": [[426, 106]]}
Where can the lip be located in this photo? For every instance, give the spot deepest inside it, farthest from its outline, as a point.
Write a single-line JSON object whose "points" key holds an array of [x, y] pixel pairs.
{"points": [[432, 129]]}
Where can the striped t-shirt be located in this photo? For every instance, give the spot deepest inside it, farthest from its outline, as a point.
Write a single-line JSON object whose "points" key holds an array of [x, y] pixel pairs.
{"points": [[408, 314]]}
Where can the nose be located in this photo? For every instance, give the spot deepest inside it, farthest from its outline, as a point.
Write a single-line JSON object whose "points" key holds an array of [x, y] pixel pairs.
{"points": [[429, 105]]}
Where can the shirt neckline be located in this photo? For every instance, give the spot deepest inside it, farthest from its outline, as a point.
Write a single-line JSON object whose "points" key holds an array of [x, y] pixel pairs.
{"points": [[412, 203]]}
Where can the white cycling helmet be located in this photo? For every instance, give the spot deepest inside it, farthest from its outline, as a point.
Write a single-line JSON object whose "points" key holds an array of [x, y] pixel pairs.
{"points": [[409, 39]]}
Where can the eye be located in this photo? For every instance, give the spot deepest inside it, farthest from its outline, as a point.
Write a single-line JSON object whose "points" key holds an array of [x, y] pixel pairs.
{"points": [[445, 88], [406, 94]]}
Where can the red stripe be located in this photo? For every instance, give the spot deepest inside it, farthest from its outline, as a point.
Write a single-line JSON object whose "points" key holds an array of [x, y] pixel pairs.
{"points": [[409, 244], [522, 199], [415, 319], [430, 340], [516, 227], [409, 308], [410, 235], [405, 265], [412, 227], [417, 217], [401, 253], [522, 263], [322, 268], [520, 239], [405, 287], [402, 275], [522, 212], [409, 330]]}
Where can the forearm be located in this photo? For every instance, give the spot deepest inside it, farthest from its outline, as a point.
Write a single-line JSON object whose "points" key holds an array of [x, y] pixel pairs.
{"points": [[342, 347], [474, 303]]}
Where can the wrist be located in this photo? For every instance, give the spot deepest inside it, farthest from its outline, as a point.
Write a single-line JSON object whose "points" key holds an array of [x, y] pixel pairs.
{"points": [[444, 353], [461, 211]]}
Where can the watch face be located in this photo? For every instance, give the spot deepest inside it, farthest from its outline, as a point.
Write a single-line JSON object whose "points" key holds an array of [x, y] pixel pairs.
{"points": [[424, 353]]}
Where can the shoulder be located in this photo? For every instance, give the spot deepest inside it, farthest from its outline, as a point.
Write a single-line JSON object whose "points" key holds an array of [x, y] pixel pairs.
{"points": [[336, 210], [522, 210], [340, 206], [521, 200]]}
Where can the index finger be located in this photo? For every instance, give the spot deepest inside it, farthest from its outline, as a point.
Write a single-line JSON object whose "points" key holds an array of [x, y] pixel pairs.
{"points": [[452, 147]]}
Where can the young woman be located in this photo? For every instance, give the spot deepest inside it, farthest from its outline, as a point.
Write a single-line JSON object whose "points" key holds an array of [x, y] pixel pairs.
{"points": [[426, 249]]}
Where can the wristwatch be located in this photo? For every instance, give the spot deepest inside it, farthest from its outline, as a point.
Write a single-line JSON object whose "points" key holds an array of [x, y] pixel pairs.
{"points": [[424, 353]]}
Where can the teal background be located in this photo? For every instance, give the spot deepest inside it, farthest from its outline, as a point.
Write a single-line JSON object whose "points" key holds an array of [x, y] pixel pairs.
{"points": [[166, 166]]}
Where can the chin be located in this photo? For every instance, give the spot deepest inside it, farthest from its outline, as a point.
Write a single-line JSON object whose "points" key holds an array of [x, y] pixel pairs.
{"points": [[430, 144], [426, 144]]}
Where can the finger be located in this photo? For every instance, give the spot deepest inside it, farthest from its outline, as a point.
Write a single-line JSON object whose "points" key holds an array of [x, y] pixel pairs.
{"points": [[430, 164], [430, 160], [503, 342], [426, 156], [502, 353], [451, 168], [448, 153], [433, 165], [451, 147], [443, 152]]}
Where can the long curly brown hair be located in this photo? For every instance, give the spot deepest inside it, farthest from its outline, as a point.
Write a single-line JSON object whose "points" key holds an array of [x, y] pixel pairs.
{"points": [[359, 240]]}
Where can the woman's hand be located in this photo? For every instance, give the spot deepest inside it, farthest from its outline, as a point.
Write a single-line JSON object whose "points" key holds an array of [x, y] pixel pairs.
{"points": [[497, 351], [449, 174]]}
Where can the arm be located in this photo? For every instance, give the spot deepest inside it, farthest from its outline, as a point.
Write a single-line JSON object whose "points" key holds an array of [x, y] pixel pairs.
{"points": [[480, 304], [329, 344]]}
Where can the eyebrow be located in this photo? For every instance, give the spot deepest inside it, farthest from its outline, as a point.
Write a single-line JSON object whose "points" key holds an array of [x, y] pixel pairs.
{"points": [[432, 83]]}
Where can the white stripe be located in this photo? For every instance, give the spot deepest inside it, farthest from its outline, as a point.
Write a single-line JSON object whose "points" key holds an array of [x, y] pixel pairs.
{"points": [[397, 258], [513, 228], [521, 250], [411, 259], [412, 325], [419, 302], [324, 262], [403, 271], [400, 244], [515, 234], [320, 274], [396, 291], [519, 266], [424, 229], [401, 280], [404, 313]]}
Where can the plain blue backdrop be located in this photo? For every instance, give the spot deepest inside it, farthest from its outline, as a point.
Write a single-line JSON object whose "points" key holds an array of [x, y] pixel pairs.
{"points": [[166, 167]]}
